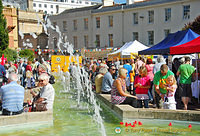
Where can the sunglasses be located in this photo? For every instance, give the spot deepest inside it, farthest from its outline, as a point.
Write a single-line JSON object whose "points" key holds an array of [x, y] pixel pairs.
{"points": [[41, 80], [113, 69]]}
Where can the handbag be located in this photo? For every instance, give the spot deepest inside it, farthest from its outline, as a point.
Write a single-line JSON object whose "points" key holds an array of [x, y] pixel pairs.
{"points": [[41, 106]]}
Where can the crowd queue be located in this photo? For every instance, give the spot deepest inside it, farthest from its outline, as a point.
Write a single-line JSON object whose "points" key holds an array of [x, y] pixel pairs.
{"points": [[141, 81], [17, 77]]}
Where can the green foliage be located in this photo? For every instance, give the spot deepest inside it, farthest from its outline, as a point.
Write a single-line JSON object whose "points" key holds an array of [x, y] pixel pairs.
{"points": [[4, 39], [194, 26], [10, 54], [26, 53]]}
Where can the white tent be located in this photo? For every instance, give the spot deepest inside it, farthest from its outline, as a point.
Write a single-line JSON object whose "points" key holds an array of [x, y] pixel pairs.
{"points": [[128, 49]]}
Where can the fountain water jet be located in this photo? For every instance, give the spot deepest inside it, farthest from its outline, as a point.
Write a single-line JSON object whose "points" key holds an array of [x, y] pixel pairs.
{"points": [[80, 80]]}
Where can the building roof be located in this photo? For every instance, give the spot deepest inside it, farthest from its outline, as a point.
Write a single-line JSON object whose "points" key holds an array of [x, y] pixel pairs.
{"points": [[81, 9], [135, 5]]}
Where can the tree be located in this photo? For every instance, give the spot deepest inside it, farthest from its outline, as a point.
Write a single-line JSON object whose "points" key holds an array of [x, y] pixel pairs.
{"points": [[4, 40], [10, 54], [26, 53], [194, 26]]}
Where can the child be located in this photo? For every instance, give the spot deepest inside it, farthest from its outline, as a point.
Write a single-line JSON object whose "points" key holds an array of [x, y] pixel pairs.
{"points": [[132, 74], [169, 100], [142, 85]]}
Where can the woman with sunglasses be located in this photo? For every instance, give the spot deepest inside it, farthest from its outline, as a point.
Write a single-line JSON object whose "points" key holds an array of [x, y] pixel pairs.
{"points": [[118, 92]]}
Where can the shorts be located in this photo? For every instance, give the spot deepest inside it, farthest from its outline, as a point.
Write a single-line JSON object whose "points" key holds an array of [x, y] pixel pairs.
{"points": [[127, 81], [186, 90]]}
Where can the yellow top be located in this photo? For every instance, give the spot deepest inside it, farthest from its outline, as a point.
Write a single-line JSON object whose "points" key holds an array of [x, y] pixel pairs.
{"points": [[132, 77]]}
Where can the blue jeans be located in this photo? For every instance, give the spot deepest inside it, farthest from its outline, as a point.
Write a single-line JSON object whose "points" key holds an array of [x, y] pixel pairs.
{"points": [[140, 103]]}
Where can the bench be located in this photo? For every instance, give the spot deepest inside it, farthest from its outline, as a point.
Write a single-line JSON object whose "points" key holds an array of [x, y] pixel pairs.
{"points": [[26, 119], [125, 111]]}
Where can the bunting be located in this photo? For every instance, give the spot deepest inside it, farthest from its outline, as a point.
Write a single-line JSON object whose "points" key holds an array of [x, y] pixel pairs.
{"points": [[77, 51]]}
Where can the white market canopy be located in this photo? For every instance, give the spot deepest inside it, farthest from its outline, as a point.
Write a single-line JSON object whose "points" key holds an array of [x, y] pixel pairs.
{"points": [[129, 48]]}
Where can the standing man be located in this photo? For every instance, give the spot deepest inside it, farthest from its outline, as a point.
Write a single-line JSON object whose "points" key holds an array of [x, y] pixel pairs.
{"points": [[108, 80], [157, 66], [2, 74], [12, 96], [185, 71], [22, 72], [159, 82], [117, 64], [128, 67]]}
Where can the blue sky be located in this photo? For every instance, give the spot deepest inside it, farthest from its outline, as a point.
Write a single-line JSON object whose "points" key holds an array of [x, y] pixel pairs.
{"points": [[117, 1]]}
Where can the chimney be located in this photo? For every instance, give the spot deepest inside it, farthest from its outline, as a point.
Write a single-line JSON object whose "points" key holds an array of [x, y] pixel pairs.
{"points": [[108, 2], [30, 5], [128, 2]]}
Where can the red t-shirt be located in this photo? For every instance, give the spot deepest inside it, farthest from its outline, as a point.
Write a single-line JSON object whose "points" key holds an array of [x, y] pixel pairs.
{"points": [[144, 81], [28, 67]]}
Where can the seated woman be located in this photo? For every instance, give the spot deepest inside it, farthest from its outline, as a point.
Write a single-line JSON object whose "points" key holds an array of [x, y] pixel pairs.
{"points": [[46, 94], [118, 95], [99, 79]]}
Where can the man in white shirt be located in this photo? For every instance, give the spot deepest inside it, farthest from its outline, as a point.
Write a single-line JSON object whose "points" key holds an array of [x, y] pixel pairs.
{"points": [[47, 92]]}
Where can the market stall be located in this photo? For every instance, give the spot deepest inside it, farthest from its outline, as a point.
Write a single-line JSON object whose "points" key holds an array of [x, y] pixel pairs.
{"points": [[127, 51], [172, 40]]}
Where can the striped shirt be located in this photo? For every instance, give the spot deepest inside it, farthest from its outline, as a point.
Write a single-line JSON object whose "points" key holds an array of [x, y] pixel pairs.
{"points": [[12, 96]]}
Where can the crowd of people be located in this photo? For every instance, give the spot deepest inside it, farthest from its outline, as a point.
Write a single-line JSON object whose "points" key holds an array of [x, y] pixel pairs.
{"points": [[136, 82], [17, 77], [141, 81]]}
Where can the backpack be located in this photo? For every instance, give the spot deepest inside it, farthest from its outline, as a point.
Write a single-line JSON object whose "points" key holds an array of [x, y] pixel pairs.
{"points": [[51, 79]]}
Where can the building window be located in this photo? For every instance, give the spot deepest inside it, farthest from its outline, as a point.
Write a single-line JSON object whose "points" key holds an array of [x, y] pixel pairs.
{"points": [[150, 37], [75, 42], [135, 18], [110, 37], [54, 24], [97, 22], [55, 43], [166, 32], [57, 8], [135, 36], [110, 21], [51, 6], [151, 16], [86, 2], [97, 41], [86, 40], [40, 5], [51, 12], [186, 12], [72, 1], [168, 14], [64, 25], [34, 4], [45, 5], [85, 23], [75, 24]]}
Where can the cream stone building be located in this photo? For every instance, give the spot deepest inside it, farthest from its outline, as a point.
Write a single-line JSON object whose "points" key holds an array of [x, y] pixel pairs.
{"points": [[10, 14], [29, 24], [113, 25]]}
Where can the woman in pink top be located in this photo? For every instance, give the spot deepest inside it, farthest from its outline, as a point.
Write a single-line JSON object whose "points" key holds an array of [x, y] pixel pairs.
{"points": [[149, 66], [142, 84]]}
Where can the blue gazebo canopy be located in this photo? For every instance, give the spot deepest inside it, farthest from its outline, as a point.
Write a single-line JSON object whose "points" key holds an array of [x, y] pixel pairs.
{"points": [[172, 39]]}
